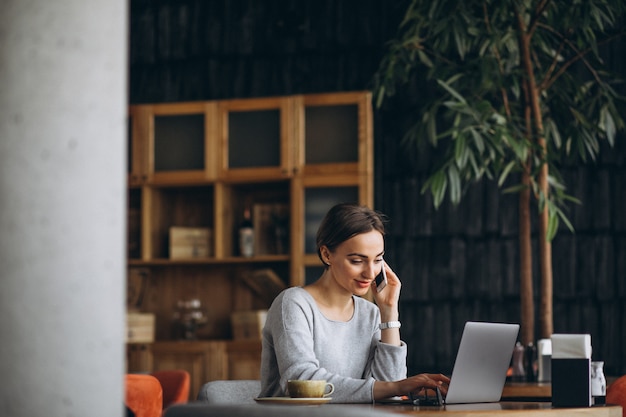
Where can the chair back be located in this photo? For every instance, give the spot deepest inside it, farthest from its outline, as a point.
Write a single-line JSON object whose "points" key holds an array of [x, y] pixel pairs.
{"points": [[176, 385], [616, 393], [144, 395], [230, 392]]}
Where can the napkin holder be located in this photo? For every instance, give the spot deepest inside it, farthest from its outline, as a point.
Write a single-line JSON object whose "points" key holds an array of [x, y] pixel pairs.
{"points": [[571, 370]]}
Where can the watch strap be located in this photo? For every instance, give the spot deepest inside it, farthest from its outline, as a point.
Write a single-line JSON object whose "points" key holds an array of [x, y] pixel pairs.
{"points": [[390, 325]]}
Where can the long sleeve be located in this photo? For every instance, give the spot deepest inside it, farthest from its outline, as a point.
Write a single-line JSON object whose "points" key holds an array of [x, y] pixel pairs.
{"points": [[300, 343]]}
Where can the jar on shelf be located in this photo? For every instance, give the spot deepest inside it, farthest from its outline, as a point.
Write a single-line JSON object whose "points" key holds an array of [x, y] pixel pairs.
{"points": [[598, 382], [189, 317]]}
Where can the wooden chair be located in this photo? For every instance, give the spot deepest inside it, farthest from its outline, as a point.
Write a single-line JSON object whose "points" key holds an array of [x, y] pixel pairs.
{"points": [[175, 384], [616, 393]]}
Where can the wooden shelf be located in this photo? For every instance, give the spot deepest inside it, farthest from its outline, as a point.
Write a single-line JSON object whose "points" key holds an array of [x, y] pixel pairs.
{"points": [[527, 390], [231, 260]]}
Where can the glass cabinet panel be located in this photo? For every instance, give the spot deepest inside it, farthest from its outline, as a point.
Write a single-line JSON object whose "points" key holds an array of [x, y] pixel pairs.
{"points": [[331, 134], [254, 138], [317, 201], [179, 142]]}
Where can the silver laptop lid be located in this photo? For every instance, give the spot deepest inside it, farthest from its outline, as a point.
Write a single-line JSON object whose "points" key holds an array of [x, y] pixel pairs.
{"points": [[481, 362]]}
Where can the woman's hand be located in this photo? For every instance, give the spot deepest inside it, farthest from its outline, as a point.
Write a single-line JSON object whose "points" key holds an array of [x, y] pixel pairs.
{"points": [[417, 383], [411, 385], [387, 298]]}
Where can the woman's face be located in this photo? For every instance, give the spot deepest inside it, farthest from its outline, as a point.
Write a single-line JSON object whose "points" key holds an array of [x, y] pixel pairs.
{"points": [[355, 263]]}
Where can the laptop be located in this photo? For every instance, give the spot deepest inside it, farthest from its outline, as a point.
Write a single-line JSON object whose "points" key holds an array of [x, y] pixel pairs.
{"points": [[481, 363]]}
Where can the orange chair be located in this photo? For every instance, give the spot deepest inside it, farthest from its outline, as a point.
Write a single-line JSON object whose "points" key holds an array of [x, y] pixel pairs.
{"points": [[616, 393], [176, 385], [144, 395]]}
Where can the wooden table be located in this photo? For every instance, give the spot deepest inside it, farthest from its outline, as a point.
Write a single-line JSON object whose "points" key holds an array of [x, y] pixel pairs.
{"points": [[518, 409]]}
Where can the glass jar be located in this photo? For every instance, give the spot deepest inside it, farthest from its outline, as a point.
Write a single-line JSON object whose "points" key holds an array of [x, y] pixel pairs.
{"points": [[598, 382], [189, 316]]}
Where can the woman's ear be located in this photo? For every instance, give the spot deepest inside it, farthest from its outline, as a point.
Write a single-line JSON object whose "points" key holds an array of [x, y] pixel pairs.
{"points": [[325, 255]]}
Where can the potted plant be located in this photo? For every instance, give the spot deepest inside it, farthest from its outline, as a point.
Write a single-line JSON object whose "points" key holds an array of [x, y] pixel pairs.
{"points": [[520, 87]]}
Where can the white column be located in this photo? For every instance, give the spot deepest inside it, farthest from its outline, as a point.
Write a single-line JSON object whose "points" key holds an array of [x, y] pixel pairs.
{"points": [[63, 96]]}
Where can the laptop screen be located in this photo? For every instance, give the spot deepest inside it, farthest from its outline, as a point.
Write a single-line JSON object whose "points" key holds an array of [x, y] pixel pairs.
{"points": [[481, 363]]}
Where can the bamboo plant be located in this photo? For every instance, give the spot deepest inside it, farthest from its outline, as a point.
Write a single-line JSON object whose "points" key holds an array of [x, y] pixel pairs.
{"points": [[520, 86]]}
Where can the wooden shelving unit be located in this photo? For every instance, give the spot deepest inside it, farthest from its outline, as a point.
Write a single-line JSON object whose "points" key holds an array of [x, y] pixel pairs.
{"points": [[201, 164]]}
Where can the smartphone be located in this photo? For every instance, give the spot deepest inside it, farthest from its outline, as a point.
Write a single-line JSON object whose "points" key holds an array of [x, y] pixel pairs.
{"points": [[381, 279]]}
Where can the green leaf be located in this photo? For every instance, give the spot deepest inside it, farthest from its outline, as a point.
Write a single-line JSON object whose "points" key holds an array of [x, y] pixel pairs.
{"points": [[380, 96], [515, 189], [505, 172], [452, 91], [424, 59], [553, 226], [478, 141], [552, 132], [566, 221], [432, 130], [460, 151], [455, 184], [608, 124], [438, 185]]}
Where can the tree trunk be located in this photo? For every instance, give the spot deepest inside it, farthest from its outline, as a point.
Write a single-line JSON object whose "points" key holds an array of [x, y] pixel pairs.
{"points": [[527, 333], [545, 248], [546, 326]]}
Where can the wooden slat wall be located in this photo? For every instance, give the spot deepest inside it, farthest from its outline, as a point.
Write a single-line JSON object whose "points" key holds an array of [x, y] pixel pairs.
{"points": [[456, 263]]}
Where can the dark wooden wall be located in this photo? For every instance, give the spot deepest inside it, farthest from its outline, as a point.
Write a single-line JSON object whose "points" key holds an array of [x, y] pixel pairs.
{"points": [[457, 263]]}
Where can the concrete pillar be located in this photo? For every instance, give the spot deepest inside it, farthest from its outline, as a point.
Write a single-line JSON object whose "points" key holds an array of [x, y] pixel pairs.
{"points": [[63, 75]]}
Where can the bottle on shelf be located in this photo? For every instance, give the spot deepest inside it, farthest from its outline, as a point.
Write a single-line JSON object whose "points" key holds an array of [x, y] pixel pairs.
{"points": [[598, 382], [246, 235]]}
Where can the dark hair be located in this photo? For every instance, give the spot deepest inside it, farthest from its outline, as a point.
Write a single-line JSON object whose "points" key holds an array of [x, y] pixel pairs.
{"points": [[346, 220]]}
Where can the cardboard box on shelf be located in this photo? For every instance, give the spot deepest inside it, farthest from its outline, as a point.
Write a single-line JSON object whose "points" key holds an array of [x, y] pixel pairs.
{"points": [[139, 327], [190, 242]]}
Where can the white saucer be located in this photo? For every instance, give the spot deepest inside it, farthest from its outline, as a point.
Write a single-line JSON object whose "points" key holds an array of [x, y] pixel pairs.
{"points": [[289, 400]]}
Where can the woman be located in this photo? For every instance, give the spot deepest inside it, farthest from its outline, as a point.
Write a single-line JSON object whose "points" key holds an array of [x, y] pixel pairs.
{"points": [[327, 331]]}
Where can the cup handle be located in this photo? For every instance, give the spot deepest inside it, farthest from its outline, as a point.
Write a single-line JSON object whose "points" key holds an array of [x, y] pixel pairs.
{"points": [[330, 387]]}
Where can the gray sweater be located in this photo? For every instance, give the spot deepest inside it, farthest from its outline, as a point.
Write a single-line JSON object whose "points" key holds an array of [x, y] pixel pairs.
{"points": [[299, 342]]}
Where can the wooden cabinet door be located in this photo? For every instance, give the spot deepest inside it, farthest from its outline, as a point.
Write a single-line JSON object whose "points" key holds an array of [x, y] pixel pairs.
{"points": [[205, 361], [334, 134], [172, 143], [139, 358], [244, 359], [256, 139]]}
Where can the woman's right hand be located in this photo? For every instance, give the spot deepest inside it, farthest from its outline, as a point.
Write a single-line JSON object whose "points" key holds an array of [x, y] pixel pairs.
{"points": [[411, 385], [417, 383]]}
